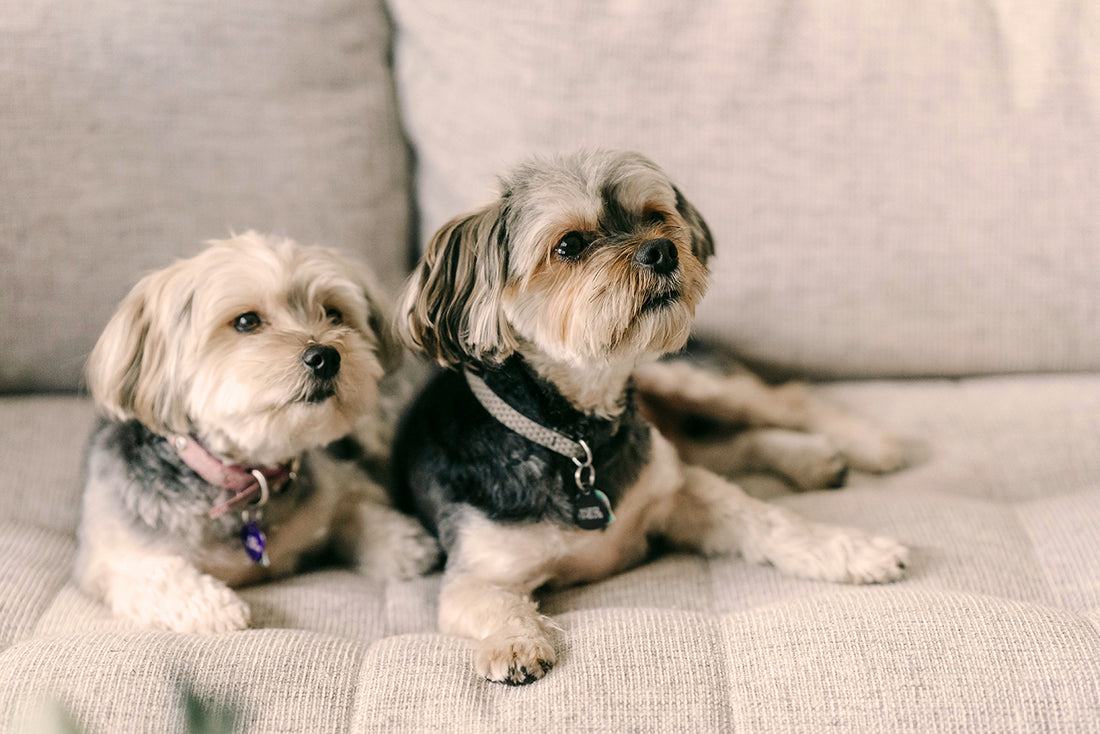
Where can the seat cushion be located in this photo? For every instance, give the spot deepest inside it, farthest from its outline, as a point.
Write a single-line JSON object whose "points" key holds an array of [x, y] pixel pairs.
{"points": [[996, 627]]}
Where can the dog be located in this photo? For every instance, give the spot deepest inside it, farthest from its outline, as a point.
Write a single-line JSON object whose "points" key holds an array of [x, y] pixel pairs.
{"points": [[245, 424], [530, 458]]}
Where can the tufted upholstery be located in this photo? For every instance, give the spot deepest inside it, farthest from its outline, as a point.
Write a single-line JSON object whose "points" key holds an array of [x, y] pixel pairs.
{"points": [[996, 628]]}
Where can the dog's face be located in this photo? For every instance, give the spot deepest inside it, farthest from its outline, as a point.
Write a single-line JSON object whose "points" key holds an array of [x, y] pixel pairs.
{"points": [[591, 258], [259, 347]]}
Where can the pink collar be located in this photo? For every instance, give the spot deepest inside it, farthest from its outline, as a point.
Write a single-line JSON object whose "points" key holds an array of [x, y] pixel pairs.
{"points": [[243, 482]]}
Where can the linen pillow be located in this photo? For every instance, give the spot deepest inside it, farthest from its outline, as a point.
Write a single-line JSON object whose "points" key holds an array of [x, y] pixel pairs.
{"points": [[895, 188]]}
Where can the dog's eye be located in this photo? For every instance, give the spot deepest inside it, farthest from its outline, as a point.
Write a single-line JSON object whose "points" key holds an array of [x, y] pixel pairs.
{"points": [[246, 323], [571, 246], [334, 315], [654, 217]]}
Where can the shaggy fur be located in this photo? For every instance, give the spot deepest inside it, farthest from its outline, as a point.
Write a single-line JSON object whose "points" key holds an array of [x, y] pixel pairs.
{"points": [[501, 473], [585, 269], [217, 349]]}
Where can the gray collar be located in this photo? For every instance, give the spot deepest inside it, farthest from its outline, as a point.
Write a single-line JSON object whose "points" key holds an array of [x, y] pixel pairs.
{"points": [[578, 451]]}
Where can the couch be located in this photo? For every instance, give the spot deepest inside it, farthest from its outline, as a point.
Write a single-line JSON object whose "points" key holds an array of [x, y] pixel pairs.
{"points": [[904, 202]]}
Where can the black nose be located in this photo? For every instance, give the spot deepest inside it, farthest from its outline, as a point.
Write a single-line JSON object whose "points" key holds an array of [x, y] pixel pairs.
{"points": [[658, 255], [323, 362]]}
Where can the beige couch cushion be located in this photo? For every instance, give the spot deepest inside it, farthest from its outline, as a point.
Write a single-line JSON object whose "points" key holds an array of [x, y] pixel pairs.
{"points": [[996, 628], [130, 132], [896, 188]]}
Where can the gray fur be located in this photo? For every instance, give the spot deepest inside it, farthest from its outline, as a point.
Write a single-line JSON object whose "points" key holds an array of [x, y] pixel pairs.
{"points": [[162, 498]]}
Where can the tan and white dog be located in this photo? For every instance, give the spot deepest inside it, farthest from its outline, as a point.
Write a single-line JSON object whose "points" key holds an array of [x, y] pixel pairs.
{"points": [[529, 457], [242, 419]]}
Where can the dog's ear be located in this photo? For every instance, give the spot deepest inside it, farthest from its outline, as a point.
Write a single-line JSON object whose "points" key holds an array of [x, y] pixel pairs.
{"points": [[702, 243], [131, 373], [451, 309], [380, 322]]}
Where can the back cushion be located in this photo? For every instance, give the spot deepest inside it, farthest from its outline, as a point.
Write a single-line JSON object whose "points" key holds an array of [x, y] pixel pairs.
{"points": [[132, 131], [895, 188]]}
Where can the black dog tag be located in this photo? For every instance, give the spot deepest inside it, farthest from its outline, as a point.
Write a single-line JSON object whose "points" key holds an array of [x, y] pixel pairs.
{"points": [[592, 510]]}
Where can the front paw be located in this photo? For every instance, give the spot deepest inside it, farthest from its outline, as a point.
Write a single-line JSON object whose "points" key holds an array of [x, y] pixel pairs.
{"points": [[514, 660], [850, 556], [416, 554], [824, 552], [170, 594], [216, 610], [399, 550], [869, 559]]}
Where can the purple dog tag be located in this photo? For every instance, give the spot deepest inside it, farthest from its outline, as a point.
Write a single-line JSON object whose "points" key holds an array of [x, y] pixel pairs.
{"points": [[255, 542]]}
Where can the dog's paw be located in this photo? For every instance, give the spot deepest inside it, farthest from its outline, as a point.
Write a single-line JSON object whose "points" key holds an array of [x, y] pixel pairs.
{"points": [[849, 556], [514, 660], [825, 552], [171, 594], [817, 465], [396, 547], [870, 449], [415, 554], [855, 557], [880, 454], [217, 609]]}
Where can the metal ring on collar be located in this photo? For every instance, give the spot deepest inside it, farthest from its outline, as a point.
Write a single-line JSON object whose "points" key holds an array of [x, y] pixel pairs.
{"points": [[585, 476], [587, 455], [264, 491], [586, 473]]}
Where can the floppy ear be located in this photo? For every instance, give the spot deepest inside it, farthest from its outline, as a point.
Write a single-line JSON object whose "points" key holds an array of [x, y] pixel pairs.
{"points": [[702, 243], [380, 322], [451, 308], [131, 371]]}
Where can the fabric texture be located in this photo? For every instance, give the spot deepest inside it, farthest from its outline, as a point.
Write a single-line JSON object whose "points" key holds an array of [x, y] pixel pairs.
{"points": [[894, 188], [131, 133], [996, 627]]}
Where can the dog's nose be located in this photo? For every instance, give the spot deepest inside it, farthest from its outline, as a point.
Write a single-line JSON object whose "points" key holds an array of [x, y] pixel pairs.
{"points": [[323, 362], [658, 255]]}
